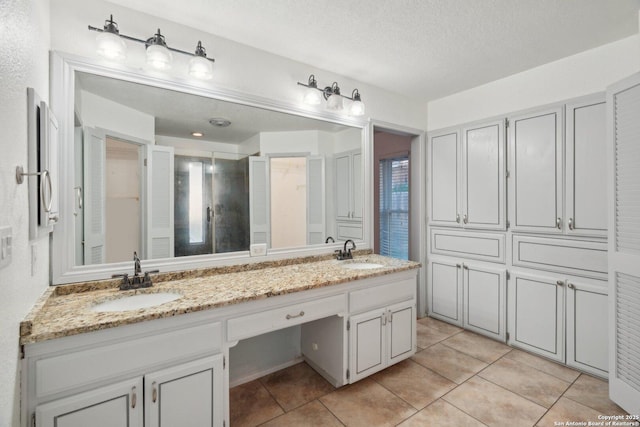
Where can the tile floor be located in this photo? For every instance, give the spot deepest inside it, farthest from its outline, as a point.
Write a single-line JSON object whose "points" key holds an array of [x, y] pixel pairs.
{"points": [[457, 378]]}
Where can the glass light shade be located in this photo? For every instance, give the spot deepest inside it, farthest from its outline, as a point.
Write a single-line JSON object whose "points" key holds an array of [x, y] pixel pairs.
{"points": [[334, 103], [312, 96], [159, 57], [200, 68], [111, 46], [356, 109]]}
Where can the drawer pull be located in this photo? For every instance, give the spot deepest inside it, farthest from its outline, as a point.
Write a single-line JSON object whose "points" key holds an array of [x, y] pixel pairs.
{"points": [[154, 393], [134, 398], [293, 316]]}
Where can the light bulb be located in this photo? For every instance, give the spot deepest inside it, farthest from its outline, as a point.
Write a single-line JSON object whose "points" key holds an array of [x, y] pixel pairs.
{"points": [[159, 57], [334, 103], [200, 68], [111, 46], [356, 109], [312, 96]]}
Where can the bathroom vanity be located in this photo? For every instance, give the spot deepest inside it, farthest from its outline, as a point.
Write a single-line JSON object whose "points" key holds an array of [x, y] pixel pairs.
{"points": [[168, 364]]}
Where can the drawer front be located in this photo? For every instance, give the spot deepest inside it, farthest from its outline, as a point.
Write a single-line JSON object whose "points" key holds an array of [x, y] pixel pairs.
{"points": [[585, 258], [378, 296], [283, 317], [85, 367], [349, 231], [480, 246]]}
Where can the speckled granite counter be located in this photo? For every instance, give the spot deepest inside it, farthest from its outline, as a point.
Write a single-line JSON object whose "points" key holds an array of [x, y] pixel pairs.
{"points": [[66, 310]]}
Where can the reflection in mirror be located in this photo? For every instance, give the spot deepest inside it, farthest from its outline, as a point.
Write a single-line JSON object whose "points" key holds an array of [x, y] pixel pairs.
{"points": [[170, 174]]}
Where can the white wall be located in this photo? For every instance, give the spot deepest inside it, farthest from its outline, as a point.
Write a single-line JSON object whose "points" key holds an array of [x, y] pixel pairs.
{"points": [[582, 74], [24, 44]]}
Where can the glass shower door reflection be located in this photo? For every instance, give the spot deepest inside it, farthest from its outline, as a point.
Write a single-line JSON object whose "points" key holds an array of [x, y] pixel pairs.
{"points": [[193, 208]]}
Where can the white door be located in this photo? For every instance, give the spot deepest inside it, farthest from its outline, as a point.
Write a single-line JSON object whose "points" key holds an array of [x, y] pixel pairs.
{"points": [[343, 186], [623, 111], [187, 395], [402, 331], [356, 186], [484, 290], [367, 343], [160, 201], [259, 207], [586, 194], [587, 326], [316, 228], [444, 165], [94, 196], [445, 290], [535, 314], [483, 176], [117, 405], [535, 144]]}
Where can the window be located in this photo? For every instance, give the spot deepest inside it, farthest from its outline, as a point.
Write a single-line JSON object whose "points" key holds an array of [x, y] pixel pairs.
{"points": [[394, 207]]}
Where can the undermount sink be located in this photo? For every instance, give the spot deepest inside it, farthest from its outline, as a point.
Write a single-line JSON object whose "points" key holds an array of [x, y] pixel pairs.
{"points": [[135, 302], [362, 265]]}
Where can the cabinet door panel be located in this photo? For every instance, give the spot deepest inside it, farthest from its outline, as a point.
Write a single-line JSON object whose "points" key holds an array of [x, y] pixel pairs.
{"points": [[186, 395], [343, 207], [117, 405], [587, 334], [444, 179], [535, 309], [402, 331], [356, 185], [483, 176], [484, 290], [536, 166], [586, 171], [367, 344], [445, 291]]}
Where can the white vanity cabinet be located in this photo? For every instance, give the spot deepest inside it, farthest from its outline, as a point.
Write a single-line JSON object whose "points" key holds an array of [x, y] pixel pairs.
{"points": [[116, 405], [468, 177], [384, 335], [468, 294]]}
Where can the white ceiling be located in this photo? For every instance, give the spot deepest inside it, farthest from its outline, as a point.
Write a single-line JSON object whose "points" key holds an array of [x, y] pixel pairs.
{"points": [[423, 49]]}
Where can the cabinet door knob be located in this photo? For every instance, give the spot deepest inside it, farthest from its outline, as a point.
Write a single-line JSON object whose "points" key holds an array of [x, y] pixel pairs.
{"points": [[154, 393], [134, 398], [570, 223], [458, 218], [570, 286], [458, 265], [465, 219], [559, 223], [464, 266], [560, 283]]}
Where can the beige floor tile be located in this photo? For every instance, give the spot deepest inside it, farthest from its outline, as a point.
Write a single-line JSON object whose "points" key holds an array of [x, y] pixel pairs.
{"points": [[493, 405], [439, 325], [251, 404], [441, 413], [568, 410], [366, 403], [428, 336], [537, 386], [544, 365], [478, 346], [296, 385], [414, 383], [448, 362], [594, 393], [310, 415]]}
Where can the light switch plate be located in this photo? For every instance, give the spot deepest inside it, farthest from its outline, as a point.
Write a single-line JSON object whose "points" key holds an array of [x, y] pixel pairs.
{"points": [[6, 246], [258, 249]]}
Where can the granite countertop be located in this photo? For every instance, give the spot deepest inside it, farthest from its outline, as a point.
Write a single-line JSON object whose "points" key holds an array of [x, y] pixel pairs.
{"points": [[65, 310]]}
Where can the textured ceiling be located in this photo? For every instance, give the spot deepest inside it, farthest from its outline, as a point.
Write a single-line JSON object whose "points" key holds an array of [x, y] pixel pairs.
{"points": [[424, 49]]}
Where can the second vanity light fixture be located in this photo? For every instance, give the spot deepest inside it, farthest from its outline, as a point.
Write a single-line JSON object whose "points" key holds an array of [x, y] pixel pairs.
{"points": [[313, 96], [112, 46]]}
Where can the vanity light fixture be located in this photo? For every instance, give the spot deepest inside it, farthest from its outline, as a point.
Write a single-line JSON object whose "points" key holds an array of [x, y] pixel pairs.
{"points": [[111, 45], [333, 97]]}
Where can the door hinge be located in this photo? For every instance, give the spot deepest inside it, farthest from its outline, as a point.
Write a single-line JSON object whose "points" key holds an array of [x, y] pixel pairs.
{"points": [[348, 374], [145, 162], [33, 420], [508, 275], [224, 362], [348, 325], [224, 423], [22, 352], [506, 123], [508, 224], [508, 336], [508, 174]]}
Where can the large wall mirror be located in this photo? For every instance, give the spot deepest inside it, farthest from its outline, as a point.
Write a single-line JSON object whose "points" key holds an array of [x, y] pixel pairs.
{"points": [[174, 174]]}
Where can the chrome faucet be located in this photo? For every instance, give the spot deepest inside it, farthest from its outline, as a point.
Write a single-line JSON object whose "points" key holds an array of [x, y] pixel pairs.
{"points": [[346, 253], [138, 280]]}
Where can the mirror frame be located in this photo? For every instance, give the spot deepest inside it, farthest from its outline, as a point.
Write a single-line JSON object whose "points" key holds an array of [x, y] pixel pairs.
{"points": [[62, 72]]}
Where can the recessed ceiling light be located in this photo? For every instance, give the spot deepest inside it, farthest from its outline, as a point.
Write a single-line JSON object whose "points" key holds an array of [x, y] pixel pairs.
{"points": [[220, 122], [197, 134]]}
